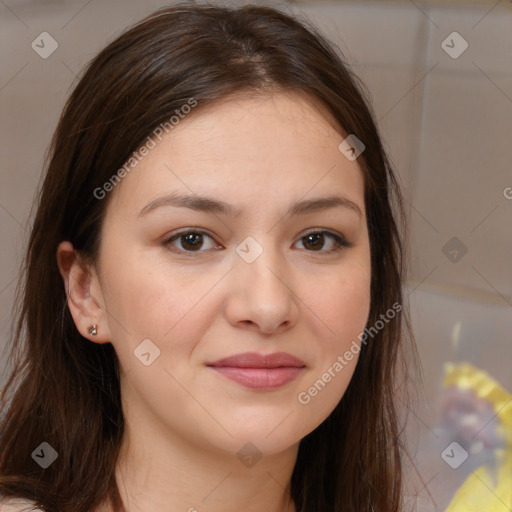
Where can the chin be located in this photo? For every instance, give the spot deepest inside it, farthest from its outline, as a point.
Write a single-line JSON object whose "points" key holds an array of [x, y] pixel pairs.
{"points": [[256, 441]]}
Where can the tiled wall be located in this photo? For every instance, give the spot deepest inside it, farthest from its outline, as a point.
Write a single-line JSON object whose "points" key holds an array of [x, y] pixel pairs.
{"points": [[446, 121]]}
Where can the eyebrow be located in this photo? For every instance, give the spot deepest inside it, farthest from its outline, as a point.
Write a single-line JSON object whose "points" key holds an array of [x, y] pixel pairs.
{"points": [[210, 205]]}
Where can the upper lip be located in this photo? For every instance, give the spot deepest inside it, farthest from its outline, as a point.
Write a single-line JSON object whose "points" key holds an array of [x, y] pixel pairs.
{"points": [[255, 360]]}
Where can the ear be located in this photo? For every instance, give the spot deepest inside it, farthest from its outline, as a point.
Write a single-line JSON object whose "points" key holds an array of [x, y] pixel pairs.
{"points": [[79, 281]]}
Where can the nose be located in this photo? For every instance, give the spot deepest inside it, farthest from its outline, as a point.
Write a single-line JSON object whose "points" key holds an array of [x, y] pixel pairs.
{"points": [[262, 293]]}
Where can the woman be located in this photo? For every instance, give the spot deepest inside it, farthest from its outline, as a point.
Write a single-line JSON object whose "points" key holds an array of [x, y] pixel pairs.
{"points": [[213, 310]]}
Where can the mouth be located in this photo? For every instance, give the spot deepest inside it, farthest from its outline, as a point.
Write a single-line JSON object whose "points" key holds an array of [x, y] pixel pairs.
{"points": [[260, 372]]}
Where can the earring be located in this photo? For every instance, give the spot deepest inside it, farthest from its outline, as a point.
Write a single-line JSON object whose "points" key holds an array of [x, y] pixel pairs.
{"points": [[92, 330]]}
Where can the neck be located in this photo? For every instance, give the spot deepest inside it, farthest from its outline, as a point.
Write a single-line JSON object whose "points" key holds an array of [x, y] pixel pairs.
{"points": [[165, 472]]}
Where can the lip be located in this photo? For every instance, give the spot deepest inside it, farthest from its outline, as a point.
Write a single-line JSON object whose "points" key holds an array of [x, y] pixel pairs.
{"points": [[255, 360], [257, 371]]}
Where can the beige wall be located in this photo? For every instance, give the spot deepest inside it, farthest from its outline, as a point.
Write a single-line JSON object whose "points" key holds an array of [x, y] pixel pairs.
{"points": [[446, 121]]}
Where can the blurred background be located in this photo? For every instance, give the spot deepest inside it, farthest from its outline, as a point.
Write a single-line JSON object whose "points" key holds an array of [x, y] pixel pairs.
{"points": [[439, 75]]}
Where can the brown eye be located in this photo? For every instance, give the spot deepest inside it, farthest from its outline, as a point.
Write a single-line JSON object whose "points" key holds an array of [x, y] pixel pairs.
{"points": [[189, 241], [193, 241], [314, 241]]}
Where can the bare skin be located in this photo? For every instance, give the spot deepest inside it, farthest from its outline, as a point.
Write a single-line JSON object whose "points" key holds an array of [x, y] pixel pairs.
{"points": [[198, 300]]}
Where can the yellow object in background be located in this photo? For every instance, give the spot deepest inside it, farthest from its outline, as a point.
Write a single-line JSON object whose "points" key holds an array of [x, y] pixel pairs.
{"points": [[482, 491]]}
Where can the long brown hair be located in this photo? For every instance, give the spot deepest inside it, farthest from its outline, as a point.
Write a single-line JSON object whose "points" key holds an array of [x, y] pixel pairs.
{"points": [[63, 389]]}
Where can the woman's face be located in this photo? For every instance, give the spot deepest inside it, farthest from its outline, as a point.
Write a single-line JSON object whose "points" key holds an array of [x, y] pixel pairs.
{"points": [[184, 287]]}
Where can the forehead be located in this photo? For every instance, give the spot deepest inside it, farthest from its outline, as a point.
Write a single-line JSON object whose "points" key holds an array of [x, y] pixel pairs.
{"points": [[250, 147], [296, 111]]}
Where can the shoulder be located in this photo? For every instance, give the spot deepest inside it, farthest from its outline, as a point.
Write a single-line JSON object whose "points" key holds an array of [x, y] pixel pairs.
{"points": [[16, 505]]}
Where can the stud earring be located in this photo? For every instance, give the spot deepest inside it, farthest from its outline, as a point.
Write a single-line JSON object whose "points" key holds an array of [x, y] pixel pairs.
{"points": [[92, 330]]}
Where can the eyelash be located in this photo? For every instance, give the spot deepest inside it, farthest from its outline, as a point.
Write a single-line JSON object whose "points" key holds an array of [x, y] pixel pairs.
{"points": [[341, 241]]}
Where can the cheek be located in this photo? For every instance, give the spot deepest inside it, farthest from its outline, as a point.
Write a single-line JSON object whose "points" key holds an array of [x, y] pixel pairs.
{"points": [[341, 306], [150, 299], [147, 301], [342, 302], [134, 298]]}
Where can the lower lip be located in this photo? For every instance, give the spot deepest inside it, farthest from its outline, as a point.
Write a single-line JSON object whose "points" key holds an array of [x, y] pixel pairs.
{"points": [[260, 378]]}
